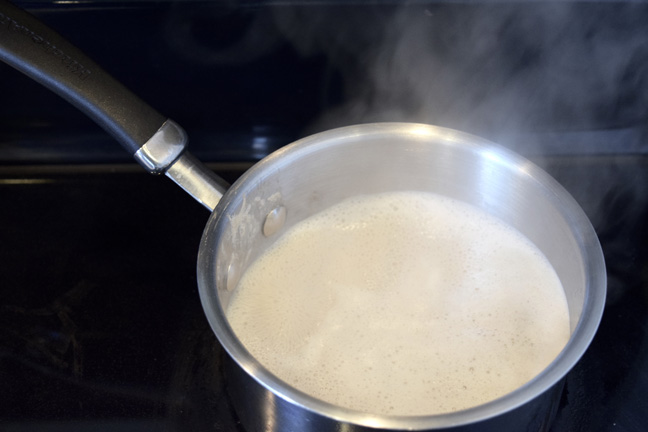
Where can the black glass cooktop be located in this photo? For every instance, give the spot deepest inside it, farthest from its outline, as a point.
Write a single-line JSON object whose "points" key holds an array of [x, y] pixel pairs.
{"points": [[101, 327]]}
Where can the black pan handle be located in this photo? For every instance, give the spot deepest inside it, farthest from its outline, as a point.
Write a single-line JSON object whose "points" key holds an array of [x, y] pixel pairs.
{"points": [[156, 142], [39, 52]]}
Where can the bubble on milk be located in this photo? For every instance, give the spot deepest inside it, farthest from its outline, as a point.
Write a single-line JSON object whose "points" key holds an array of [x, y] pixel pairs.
{"points": [[403, 303]]}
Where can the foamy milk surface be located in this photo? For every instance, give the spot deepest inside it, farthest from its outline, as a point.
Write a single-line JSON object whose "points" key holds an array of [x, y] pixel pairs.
{"points": [[402, 303]]}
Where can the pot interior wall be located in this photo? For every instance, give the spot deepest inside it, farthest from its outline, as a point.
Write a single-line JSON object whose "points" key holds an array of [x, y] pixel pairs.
{"points": [[312, 178]]}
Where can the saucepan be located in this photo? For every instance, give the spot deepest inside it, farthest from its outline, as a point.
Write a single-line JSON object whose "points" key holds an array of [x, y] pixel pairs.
{"points": [[310, 175]]}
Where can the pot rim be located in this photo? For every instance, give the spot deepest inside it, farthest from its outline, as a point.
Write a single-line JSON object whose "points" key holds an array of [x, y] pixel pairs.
{"points": [[580, 338]]}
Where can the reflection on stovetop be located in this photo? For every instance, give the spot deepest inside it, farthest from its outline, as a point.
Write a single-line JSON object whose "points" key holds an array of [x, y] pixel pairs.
{"points": [[101, 326]]}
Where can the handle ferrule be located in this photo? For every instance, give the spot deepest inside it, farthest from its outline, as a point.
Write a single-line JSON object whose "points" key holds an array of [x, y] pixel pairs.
{"points": [[163, 148]]}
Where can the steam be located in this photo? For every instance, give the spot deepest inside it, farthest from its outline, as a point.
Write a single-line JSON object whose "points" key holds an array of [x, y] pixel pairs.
{"points": [[543, 79], [497, 70]]}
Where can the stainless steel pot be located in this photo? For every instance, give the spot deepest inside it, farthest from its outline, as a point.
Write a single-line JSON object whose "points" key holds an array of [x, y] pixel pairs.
{"points": [[309, 176], [324, 169]]}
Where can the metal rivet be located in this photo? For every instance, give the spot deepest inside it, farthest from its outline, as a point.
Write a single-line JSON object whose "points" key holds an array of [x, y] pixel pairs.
{"points": [[232, 276], [274, 221]]}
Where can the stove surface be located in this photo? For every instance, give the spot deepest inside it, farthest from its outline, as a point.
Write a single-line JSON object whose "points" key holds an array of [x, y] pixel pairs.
{"points": [[101, 326]]}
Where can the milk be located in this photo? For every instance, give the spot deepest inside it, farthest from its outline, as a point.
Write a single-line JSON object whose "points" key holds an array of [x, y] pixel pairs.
{"points": [[403, 303]]}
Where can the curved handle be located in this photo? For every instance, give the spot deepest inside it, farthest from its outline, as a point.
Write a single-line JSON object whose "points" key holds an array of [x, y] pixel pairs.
{"points": [[39, 52], [157, 143]]}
